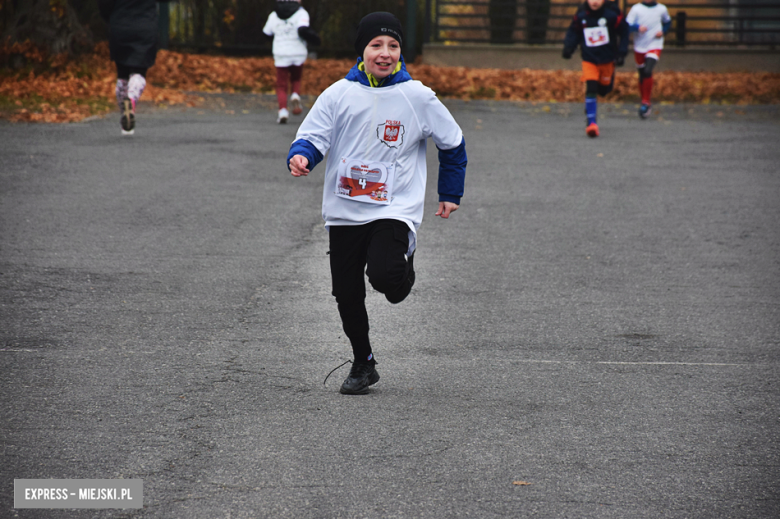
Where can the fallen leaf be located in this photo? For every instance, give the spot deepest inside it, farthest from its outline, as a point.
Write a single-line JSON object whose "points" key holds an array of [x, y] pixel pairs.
{"points": [[73, 89]]}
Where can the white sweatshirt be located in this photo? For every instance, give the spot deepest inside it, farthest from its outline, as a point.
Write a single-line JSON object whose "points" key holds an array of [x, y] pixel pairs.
{"points": [[653, 17], [288, 48], [375, 140]]}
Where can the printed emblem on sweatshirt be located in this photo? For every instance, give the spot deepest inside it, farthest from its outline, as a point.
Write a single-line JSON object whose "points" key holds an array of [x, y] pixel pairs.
{"points": [[391, 133], [365, 181]]}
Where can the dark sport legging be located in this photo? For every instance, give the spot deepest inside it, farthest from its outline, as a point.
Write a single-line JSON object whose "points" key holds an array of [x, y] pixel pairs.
{"points": [[647, 69], [378, 248], [594, 88], [123, 72]]}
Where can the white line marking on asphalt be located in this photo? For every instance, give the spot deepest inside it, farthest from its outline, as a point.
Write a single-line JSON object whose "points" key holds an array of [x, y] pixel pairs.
{"points": [[645, 363], [675, 363]]}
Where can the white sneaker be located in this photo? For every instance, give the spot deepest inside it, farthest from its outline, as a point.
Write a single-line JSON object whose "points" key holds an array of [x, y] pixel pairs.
{"points": [[295, 104], [283, 116]]}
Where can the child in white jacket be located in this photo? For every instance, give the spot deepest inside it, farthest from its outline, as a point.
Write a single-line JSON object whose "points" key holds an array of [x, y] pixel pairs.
{"points": [[374, 125], [288, 25], [649, 21]]}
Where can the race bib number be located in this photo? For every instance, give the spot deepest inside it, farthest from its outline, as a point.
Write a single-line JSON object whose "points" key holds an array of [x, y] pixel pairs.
{"points": [[596, 36], [365, 181]]}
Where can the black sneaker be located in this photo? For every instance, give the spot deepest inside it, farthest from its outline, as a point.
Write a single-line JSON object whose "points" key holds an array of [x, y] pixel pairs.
{"points": [[128, 117], [362, 375]]}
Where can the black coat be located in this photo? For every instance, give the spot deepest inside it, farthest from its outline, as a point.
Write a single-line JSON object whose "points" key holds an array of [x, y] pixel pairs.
{"points": [[609, 15], [133, 31]]}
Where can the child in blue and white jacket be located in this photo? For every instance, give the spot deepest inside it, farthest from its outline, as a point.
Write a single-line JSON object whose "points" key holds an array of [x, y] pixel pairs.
{"points": [[373, 125]]}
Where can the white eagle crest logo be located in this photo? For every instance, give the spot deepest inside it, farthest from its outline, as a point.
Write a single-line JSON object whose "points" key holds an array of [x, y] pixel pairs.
{"points": [[391, 133]]}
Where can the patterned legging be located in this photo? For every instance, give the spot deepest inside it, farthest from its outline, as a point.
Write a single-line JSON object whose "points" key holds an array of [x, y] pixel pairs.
{"points": [[130, 83]]}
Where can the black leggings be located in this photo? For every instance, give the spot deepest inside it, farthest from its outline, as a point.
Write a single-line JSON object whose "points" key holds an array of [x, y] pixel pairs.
{"points": [[647, 69], [379, 248], [123, 72], [593, 87]]}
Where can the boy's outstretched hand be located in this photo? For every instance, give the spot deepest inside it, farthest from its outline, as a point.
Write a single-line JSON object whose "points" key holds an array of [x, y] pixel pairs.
{"points": [[299, 166], [445, 208]]}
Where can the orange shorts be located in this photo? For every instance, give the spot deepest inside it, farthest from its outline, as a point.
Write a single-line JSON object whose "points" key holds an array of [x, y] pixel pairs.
{"points": [[601, 73]]}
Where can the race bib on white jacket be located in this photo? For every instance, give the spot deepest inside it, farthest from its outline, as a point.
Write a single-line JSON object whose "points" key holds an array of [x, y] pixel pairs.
{"points": [[365, 181], [596, 36]]}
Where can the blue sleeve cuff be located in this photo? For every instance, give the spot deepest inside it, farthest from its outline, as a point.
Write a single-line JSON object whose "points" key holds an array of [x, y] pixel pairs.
{"points": [[452, 173], [308, 150], [633, 28], [667, 26]]}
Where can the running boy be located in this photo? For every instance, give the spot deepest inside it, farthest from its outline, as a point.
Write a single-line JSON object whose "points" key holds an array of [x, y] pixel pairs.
{"points": [[374, 124], [288, 25], [650, 21], [599, 28]]}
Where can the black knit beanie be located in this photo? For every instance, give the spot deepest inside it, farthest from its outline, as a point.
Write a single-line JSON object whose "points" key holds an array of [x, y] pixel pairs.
{"points": [[377, 24], [286, 8]]}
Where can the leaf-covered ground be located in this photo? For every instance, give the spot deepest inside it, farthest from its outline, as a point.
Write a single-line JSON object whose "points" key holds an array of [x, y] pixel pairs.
{"points": [[61, 90]]}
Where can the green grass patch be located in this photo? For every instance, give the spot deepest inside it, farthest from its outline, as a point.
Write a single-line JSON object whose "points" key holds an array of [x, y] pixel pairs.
{"points": [[35, 103], [97, 105], [236, 88], [13, 104], [483, 93]]}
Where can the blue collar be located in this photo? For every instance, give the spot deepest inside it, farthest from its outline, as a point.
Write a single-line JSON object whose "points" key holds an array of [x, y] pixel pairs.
{"points": [[355, 74]]}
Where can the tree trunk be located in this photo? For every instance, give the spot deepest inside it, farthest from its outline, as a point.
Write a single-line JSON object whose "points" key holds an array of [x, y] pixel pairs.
{"points": [[51, 25]]}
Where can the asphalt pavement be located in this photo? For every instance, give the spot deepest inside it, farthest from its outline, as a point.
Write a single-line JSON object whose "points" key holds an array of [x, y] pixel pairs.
{"points": [[593, 334]]}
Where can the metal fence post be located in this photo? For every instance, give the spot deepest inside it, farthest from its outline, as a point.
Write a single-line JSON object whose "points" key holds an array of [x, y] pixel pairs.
{"points": [[411, 31], [165, 23], [680, 28], [427, 22], [502, 15]]}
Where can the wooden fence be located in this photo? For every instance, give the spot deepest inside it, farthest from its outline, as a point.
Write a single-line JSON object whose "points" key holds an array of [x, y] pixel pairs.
{"points": [[695, 22]]}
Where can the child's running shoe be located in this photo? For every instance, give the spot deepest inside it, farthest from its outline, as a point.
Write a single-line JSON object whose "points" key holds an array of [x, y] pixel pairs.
{"points": [[644, 111], [128, 116], [283, 116], [295, 104], [362, 375], [592, 130]]}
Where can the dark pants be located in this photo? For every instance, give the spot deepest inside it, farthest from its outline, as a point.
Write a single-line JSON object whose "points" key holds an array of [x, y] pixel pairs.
{"points": [[292, 74], [594, 88], [378, 248], [123, 72]]}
